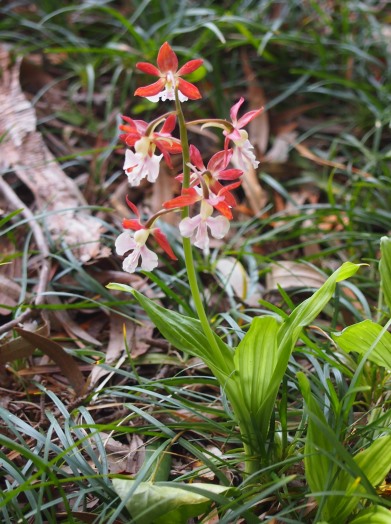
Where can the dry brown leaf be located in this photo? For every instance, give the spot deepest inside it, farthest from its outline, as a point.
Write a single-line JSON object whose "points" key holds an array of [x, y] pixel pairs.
{"points": [[306, 153], [122, 330], [288, 275], [24, 151], [72, 328], [280, 149], [259, 136], [67, 364], [232, 273], [124, 458]]}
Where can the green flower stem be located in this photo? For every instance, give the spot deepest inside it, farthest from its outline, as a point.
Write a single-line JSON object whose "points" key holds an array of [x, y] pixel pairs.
{"points": [[189, 261], [245, 426]]}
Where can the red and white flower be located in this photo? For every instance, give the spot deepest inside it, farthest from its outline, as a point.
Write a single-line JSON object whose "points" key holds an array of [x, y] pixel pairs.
{"points": [[136, 243], [169, 77], [197, 227], [142, 162], [217, 165], [243, 155]]}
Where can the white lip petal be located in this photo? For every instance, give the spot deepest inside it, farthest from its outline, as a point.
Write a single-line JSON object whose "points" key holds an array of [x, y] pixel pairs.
{"points": [[188, 225], [125, 242], [218, 226], [130, 159], [130, 263], [140, 165], [149, 259], [152, 165], [201, 238]]}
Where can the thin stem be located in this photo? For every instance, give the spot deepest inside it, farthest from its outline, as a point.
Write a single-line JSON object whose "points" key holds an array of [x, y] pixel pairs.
{"points": [[245, 427], [188, 251]]}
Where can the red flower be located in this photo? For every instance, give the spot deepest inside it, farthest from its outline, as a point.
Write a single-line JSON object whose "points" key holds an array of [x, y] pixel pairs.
{"points": [[169, 77]]}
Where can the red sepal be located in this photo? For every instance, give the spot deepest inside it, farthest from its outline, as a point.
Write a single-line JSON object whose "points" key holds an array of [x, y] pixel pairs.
{"points": [[131, 223], [167, 59], [190, 66], [152, 89], [188, 89], [161, 239], [148, 68]]}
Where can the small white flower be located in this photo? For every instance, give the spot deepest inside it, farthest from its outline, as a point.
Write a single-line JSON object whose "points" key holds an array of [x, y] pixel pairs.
{"points": [[141, 165], [196, 228], [126, 242], [243, 155]]}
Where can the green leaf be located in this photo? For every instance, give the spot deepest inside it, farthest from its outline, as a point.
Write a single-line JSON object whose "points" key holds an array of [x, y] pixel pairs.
{"points": [[364, 337], [375, 463], [328, 466], [385, 269], [255, 360], [291, 327], [318, 467], [186, 334], [374, 515], [161, 504]]}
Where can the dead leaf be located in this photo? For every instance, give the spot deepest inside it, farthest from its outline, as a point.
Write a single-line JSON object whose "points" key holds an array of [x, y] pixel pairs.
{"points": [[232, 273], [72, 328], [121, 331], [280, 149], [306, 153], [258, 132], [288, 275], [24, 150], [67, 364]]}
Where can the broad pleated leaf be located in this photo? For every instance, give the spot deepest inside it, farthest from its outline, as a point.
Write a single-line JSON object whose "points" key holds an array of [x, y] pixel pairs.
{"points": [[186, 334], [290, 330], [365, 336], [375, 463], [161, 504], [255, 360]]}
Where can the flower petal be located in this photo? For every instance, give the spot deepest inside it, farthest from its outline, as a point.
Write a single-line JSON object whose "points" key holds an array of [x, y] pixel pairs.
{"points": [[149, 259], [161, 239], [167, 59], [246, 118], [219, 226], [220, 160], [131, 223], [124, 242], [130, 262], [201, 238], [188, 225], [152, 89], [224, 209], [169, 125], [132, 206], [188, 89], [188, 197], [229, 174], [196, 158], [148, 68], [190, 66], [234, 110]]}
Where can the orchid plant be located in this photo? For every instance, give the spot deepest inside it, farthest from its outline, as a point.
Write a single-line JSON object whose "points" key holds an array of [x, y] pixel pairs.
{"points": [[250, 374]]}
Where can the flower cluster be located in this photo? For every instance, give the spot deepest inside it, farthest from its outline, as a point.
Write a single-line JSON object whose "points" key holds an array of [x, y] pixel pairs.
{"points": [[209, 187]]}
